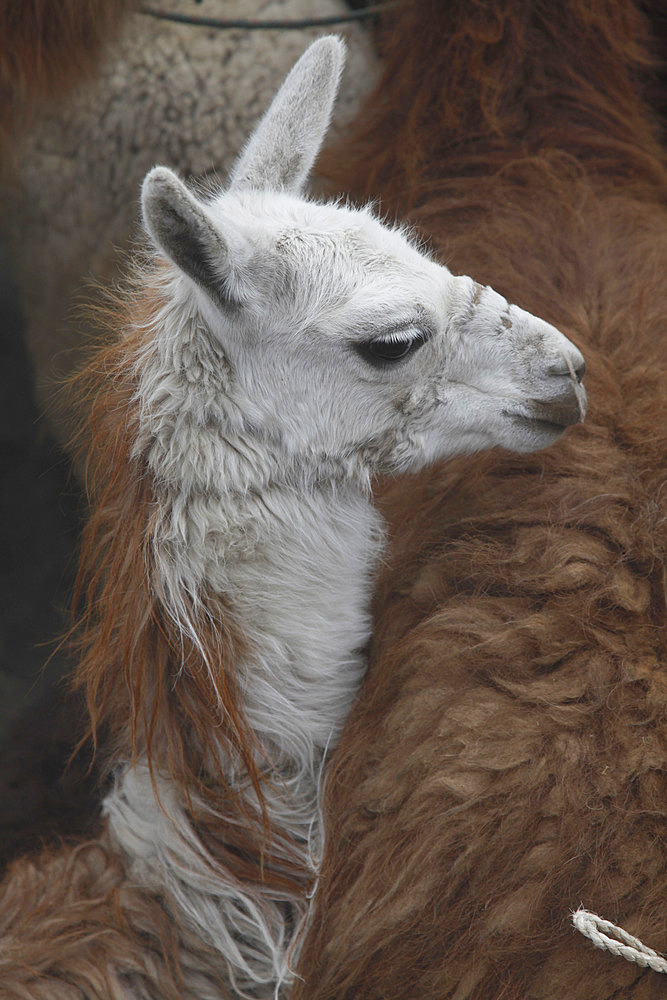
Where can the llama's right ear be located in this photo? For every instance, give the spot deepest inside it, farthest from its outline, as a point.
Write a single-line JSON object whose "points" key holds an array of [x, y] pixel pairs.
{"points": [[180, 227], [283, 147]]}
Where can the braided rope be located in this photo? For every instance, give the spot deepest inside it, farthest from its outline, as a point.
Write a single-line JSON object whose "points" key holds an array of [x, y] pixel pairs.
{"points": [[258, 25], [622, 944]]}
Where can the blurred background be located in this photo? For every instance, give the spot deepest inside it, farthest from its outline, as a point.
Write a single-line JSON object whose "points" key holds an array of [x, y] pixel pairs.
{"points": [[40, 509]]}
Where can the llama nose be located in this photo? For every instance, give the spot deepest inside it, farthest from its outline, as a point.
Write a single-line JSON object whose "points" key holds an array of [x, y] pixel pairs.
{"points": [[568, 360], [571, 364], [565, 402]]}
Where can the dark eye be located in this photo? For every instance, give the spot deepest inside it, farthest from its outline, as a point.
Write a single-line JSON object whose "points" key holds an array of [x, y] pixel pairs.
{"points": [[383, 351]]}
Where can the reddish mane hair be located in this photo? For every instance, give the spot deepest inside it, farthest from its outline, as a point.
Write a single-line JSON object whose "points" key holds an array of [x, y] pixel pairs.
{"points": [[154, 693], [505, 761], [73, 921]]}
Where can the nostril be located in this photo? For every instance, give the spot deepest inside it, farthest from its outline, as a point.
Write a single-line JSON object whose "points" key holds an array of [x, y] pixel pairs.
{"points": [[566, 367]]}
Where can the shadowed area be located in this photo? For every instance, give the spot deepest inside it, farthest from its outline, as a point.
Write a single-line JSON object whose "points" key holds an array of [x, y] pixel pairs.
{"points": [[39, 523]]}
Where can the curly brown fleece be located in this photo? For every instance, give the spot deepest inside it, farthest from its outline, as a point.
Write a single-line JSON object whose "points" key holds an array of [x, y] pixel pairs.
{"points": [[505, 762]]}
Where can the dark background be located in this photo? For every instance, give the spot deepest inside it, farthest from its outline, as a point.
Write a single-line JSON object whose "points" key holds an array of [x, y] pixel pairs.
{"points": [[40, 514]]}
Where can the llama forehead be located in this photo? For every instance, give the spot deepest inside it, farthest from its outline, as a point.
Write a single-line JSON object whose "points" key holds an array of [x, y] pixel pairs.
{"points": [[326, 248], [355, 237]]}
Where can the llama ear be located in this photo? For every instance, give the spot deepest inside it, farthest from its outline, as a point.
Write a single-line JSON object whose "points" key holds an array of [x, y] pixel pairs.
{"points": [[283, 147], [180, 227]]}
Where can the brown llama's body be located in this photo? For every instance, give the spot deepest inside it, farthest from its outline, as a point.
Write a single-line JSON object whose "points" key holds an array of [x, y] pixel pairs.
{"points": [[74, 926], [505, 762]]}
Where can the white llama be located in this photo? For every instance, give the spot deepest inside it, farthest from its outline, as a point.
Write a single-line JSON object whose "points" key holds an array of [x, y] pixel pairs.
{"points": [[299, 348]]}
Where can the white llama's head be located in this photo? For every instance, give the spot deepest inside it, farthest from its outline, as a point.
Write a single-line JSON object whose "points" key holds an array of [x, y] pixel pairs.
{"points": [[345, 346]]}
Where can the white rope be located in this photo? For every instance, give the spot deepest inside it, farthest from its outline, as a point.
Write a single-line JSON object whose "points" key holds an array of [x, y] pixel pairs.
{"points": [[621, 944]]}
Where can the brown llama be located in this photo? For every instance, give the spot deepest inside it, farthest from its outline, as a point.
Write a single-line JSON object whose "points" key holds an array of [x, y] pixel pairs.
{"points": [[505, 762]]}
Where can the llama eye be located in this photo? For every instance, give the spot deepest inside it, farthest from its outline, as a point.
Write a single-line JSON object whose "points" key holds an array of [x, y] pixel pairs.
{"points": [[381, 351]]}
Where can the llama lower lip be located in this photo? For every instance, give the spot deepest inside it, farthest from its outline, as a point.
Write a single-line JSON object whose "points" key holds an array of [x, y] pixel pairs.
{"points": [[536, 424]]}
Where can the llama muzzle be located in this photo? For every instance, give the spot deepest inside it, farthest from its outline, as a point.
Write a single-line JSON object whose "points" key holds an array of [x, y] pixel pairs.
{"points": [[562, 399], [560, 403], [564, 411]]}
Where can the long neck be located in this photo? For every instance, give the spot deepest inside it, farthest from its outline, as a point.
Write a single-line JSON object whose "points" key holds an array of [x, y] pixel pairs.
{"points": [[295, 567], [291, 554], [199, 526], [291, 550], [302, 599]]}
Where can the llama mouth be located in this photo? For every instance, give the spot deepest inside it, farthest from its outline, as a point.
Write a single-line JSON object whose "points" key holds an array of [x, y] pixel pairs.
{"points": [[536, 424], [551, 417]]}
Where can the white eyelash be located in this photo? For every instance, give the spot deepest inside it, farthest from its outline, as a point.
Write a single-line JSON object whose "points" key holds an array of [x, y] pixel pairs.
{"points": [[399, 337]]}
